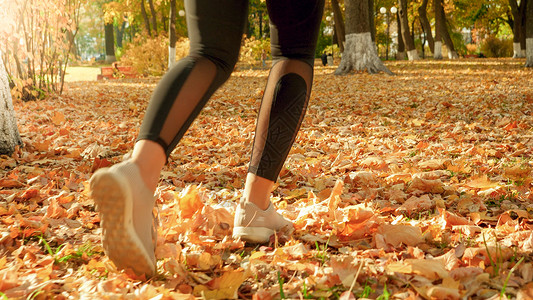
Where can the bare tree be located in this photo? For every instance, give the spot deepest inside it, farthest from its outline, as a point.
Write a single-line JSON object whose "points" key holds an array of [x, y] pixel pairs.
{"points": [[360, 52], [38, 50]]}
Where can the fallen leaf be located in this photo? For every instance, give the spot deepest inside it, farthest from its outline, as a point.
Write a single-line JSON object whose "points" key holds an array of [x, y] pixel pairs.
{"points": [[397, 235], [431, 269], [58, 118], [223, 287]]}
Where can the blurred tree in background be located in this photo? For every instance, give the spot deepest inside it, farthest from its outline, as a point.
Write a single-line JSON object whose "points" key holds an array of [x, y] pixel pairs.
{"points": [[40, 38]]}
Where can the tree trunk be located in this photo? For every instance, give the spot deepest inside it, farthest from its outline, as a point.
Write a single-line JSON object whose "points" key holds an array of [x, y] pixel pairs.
{"points": [[452, 54], [109, 43], [519, 26], [401, 44], [145, 17], [154, 16], [339, 24], [120, 33], [412, 54], [71, 40], [529, 34], [426, 26], [437, 53], [523, 35], [260, 15], [440, 18], [445, 34], [172, 34], [360, 52], [371, 20], [9, 133]]}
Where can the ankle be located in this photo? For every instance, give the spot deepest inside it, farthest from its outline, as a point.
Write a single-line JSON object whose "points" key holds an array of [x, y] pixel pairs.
{"points": [[150, 157], [262, 203], [257, 190], [149, 175]]}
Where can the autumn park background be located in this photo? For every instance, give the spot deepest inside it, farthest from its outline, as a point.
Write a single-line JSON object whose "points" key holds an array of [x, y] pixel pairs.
{"points": [[411, 177]]}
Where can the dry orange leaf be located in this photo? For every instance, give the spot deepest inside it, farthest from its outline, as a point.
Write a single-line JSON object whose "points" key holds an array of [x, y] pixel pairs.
{"points": [[58, 118], [482, 183], [397, 235], [431, 269], [224, 287], [189, 201]]}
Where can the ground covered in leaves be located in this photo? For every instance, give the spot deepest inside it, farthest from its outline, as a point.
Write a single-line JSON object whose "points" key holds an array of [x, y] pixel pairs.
{"points": [[414, 186]]}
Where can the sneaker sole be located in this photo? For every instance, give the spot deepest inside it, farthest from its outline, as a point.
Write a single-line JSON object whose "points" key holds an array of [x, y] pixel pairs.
{"points": [[253, 234], [113, 199]]}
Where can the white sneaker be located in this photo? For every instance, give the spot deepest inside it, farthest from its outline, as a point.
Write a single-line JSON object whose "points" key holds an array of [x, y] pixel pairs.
{"points": [[255, 225], [125, 205]]}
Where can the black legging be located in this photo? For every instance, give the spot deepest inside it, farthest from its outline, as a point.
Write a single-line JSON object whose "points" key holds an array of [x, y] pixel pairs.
{"points": [[215, 31]]}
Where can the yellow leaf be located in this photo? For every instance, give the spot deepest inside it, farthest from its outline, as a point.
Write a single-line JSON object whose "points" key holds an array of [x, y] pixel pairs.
{"points": [[416, 122], [257, 255], [224, 287], [190, 201], [431, 269], [3, 262], [297, 193], [482, 183]]}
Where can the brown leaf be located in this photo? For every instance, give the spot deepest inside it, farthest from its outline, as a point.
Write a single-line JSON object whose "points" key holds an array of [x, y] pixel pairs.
{"points": [[439, 292], [525, 292], [416, 204], [431, 269], [55, 210], [449, 219], [347, 295], [482, 183], [426, 186], [397, 235]]}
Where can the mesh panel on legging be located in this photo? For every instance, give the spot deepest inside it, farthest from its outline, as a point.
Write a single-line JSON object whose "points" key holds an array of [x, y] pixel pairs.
{"points": [[281, 113], [294, 32], [215, 31], [178, 98]]}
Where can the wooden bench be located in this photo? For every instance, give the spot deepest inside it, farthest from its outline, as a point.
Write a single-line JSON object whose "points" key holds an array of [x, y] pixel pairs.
{"points": [[115, 71]]}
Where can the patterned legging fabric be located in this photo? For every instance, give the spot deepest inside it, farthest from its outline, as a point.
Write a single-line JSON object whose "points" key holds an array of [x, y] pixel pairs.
{"points": [[215, 31]]}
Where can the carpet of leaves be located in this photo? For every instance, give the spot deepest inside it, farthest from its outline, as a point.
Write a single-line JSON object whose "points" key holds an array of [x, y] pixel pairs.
{"points": [[414, 186]]}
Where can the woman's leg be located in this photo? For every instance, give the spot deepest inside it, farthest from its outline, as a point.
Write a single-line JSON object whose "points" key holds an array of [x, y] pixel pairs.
{"points": [[124, 193], [294, 32]]}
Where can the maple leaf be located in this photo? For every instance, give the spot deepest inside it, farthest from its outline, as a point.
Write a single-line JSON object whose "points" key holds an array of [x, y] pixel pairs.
{"points": [[189, 201], [223, 287]]}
